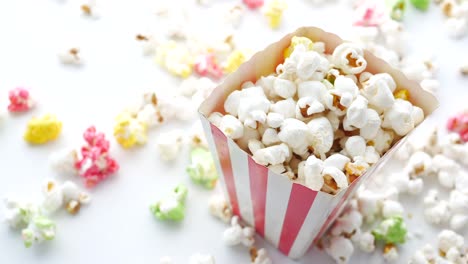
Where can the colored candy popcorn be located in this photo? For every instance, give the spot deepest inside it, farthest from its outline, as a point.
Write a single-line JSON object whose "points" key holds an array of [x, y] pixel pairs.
{"points": [[391, 230], [94, 162], [459, 124], [173, 206], [396, 8], [20, 100], [39, 229], [295, 41], [422, 5], [43, 129], [234, 60], [129, 131], [253, 4], [202, 170], [175, 58], [369, 14], [273, 10], [206, 65]]}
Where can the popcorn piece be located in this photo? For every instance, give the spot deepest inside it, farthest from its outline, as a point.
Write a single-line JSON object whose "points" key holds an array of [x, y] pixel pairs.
{"points": [[321, 135], [231, 126], [273, 155], [379, 91], [197, 136], [206, 65], [201, 259], [64, 161], [39, 229], [369, 15], [249, 134], [259, 256], [94, 163], [173, 206], [175, 58], [150, 116], [202, 169], [355, 169], [464, 70], [346, 90], [19, 213], [273, 11], [356, 116], [334, 179], [340, 249], [392, 208], [349, 58], [397, 8], [252, 107], [420, 164], [169, 144], [295, 41], [296, 134], [459, 124], [129, 131], [20, 100], [89, 9], [284, 88], [220, 208], [270, 137], [390, 253], [402, 94], [355, 146], [371, 128], [447, 239], [65, 195], [391, 230], [149, 44], [234, 61], [236, 234], [422, 5], [347, 224], [367, 242], [400, 118], [70, 57], [40, 130], [312, 173], [234, 15], [415, 186], [437, 213], [458, 202], [253, 4], [456, 27]]}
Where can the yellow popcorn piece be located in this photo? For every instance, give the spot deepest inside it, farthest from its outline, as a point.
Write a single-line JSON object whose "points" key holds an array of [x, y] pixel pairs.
{"points": [[402, 94], [274, 12], [298, 41], [40, 130], [175, 58], [234, 61], [128, 131]]}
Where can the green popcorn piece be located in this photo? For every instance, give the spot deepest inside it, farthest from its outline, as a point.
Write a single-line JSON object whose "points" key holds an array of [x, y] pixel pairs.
{"points": [[422, 5], [391, 230], [173, 206], [397, 8], [202, 170], [40, 229], [28, 237]]}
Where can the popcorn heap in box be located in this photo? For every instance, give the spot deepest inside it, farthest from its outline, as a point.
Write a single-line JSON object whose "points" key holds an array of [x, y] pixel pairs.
{"points": [[321, 119]]}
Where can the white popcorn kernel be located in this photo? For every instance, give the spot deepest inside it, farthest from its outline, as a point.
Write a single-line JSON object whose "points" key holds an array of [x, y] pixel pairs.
{"points": [[274, 120], [270, 137], [347, 224], [272, 155], [355, 146], [231, 126], [391, 254], [372, 126], [295, 134], [284, 88], [371, 156], [399, 117], [150, 116], [231, 105], [278, 168], [448, 239], [19, 213], [70, 57], [197, 136], [236, 234], [249, 134], [338, 176], [316, 90], [201, 259], [400, 180], [458, 221], [311, 172], [441, 162], [340, 249], [64, 161], [191, 85], [391, 208], [438, 213], [415, 186], [446, 178], [378, 90], [166, 260], [220, 208], [420, 164], [349, 58], [346, 89], [286, 108], [308, 106], [53, 196], [431, 198], [169, 144], [177, 107], [266, 82], [382, 140], [253, 107], [336, 160], [234, 15], [254, 145], [458, 202], [456, 27], [308, 64], [334, 120], [417, 114], [453, 255], [321, 135], [368, 203], [259, 256], [356, 116], [367, 242]]}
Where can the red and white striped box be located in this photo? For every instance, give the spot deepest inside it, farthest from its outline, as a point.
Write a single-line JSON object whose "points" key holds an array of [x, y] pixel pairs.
{"points": [[290, 216]]}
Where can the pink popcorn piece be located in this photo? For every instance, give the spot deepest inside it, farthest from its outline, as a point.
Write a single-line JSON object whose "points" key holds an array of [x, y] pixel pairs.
{"points": [[253, 4], [20, 100], [459, 124], [95, 164], [369, 14], [206, 65]]}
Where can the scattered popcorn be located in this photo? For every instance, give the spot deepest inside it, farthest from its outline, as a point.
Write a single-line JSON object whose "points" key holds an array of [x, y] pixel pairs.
{"points": [[367, 242], [149, 43], [273, 10], [19, 213], [236, 234], [70, 57], [94, 163], [90, 9], [66, 195], [259, 256], [436, 212], [447, 239], [397, 8], [173, 206], [202, 169], [234, 60], [206, 65], [390, 253], [391, 230], [175, 58], [201, 259], [64, 161], [422, 5], [234, 15], [464, 70], [170, 144], [392, 209], [340, 249], [253, 4], [369, 14], [459, 124], [197, 136], [129, 131], [20, 100], [220, 208], [39, 229], [40, 130]]}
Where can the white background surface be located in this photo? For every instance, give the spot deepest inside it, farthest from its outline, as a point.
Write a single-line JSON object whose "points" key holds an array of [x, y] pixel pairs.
{"points": [[117, 226]]}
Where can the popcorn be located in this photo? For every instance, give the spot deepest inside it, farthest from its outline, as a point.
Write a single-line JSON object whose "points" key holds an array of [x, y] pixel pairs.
{"points": [[459, 124], [89, 9], [40, 130], [206, 65], [19, 213], [391, 230], [295, 41], [231, 126], [234, 60], [169, 144], [175, 58], [270, 137], [94, 163], [347, 224], [397, 8], [253, 4], [64, 161], [129, 131], [259, 256], [400, 117], [236, 234], [39, 229], [436, 213], [149, 43], [367, 242], [391, 208], [234, 15], [356, 116], [70, 57], [321, 135], [369, 14], [340, 249], [390, 253], [355, 146], [273, 11], [171, 207], [447, 239], [285, 108], [66, 195], [284, 88], [20, 100], [273, 155], [201, 259], [349, 58], [379, 91], [202, 169], [422, 5], [458, 221], [295, 134], [220, 208]]}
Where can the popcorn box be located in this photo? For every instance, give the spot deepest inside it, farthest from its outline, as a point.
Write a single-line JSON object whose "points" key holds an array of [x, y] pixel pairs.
{"points": [[289, 215]]}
